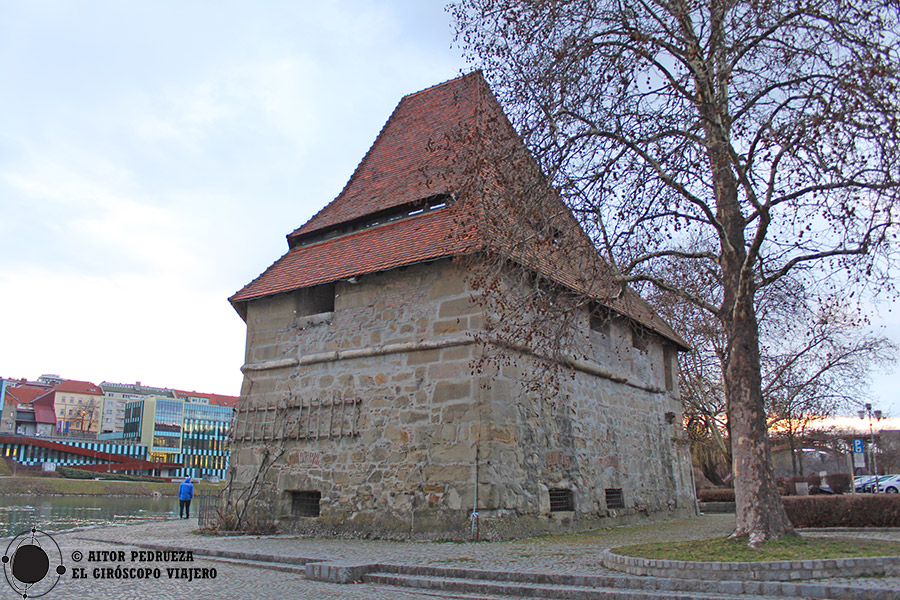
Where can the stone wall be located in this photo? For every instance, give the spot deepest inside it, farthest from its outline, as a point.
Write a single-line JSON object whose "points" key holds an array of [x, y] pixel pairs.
{"points": [[374, 405]]}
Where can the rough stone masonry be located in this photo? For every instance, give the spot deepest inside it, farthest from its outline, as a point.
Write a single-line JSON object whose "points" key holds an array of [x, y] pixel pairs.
{"points": [[361, 413]]}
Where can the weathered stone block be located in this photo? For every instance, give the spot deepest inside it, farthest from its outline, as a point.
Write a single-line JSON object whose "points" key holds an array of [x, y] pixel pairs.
{"points": [[450, 326], [423, 357], [446, 391], [457, 307], [459, 412], [447, 286], [452, 453], [338, 572]]}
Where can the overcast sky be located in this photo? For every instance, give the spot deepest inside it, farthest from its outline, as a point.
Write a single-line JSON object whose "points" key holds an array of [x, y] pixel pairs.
{"points": [[153, 156]]}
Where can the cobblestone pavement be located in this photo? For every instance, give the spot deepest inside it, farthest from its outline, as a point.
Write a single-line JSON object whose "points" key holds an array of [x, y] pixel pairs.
{"points": [[561, 553], [232, 581], [243, 579]]}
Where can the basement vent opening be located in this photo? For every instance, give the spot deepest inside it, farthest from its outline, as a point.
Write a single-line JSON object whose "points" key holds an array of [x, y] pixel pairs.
{"points": [[305, 504], [561, 500], [615, 498]]}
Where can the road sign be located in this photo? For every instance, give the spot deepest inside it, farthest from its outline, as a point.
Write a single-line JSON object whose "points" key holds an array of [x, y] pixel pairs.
{"points": [[858, 446]]}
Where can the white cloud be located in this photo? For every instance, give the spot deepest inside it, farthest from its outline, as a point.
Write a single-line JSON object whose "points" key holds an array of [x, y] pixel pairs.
{"points": [[120, 328], [269, 98]]}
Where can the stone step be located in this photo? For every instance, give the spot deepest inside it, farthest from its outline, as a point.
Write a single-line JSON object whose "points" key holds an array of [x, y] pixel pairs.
{"points": [[259, 564], [672, 586], [544, 590]]}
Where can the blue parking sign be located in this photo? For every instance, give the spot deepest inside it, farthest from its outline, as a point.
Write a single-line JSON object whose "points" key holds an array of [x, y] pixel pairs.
{"points": [[858, 446]]}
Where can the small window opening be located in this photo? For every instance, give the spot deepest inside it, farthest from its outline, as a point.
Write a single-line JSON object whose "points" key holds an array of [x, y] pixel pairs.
{"points": [[561, 500], [305, 504], [600, 323], [315, 300], [615, 498], [639, 338]]}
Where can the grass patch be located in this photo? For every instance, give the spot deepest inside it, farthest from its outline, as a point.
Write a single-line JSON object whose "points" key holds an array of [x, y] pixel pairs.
{"points": [[57, 486], [787, 548]]}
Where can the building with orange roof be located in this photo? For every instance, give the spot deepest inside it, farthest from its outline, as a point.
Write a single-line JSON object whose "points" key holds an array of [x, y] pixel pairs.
{"points": [[79, 407], [28, 410], [216, 399], [361, 341]]}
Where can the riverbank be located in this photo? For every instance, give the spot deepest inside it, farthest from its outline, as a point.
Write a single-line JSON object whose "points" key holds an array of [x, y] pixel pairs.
{"points": [[57, 486]]}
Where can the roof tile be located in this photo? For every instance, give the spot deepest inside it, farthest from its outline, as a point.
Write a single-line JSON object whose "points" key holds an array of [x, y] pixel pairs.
{"points": [[451, 139]]}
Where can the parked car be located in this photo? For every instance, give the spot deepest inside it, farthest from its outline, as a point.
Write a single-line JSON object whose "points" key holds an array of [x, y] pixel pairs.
{"points": [[889, 484], [882, 483], [861, 481], [869, 487]]}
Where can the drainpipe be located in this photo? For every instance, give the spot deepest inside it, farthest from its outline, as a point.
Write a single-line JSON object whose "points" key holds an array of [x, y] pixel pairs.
{"points": [[3, 397], [474, 517]]}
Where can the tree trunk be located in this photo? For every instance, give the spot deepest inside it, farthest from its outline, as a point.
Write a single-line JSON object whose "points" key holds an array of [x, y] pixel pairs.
{"points": [[759, 510], [760, 513]]}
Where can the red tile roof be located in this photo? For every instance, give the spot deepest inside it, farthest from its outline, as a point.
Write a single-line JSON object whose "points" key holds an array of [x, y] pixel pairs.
{"points": [[218, 399], [425, 237], [448, 139], [402, 165], [45, 409], [25, 394], [74, 386]]}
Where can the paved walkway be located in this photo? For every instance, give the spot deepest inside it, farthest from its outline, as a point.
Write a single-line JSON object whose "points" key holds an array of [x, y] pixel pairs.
{"points": [[246, 579]]}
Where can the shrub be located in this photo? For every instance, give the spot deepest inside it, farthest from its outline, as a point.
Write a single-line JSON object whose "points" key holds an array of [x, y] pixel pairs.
{"points": [[73, 473], [21, 470], [851, 510], [813, 481], [839, 482], [784, 488], [716, 495]]}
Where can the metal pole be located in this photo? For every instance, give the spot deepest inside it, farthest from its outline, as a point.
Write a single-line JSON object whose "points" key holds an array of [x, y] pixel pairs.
{"points": [[874, 458], [852, 469]]}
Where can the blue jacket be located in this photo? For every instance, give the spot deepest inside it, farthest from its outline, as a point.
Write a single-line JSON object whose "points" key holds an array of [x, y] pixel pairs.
{"points": [[186, 489]]}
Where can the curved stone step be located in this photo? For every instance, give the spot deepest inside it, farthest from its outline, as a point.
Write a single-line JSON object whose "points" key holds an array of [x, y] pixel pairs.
{"points": [[539, 590]]}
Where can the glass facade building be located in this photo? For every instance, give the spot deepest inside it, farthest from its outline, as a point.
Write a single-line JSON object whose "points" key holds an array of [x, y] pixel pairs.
{"points": [[191, 433], [205, 441]]}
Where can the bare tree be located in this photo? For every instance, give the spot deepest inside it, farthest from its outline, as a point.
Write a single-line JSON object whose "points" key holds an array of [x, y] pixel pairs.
{"points": [[815, 361], [86, 414], [751, 140]]}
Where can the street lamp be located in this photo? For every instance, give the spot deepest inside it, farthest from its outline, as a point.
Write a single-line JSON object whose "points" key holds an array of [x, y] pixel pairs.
{"points": [[862, 415]]}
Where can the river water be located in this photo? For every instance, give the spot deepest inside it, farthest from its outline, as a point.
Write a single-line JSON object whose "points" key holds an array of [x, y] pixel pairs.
{"points": [[59, 513]]}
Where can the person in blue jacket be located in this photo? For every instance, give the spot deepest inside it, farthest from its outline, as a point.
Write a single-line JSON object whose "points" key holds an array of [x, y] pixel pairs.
{"points": [[185, 493]]}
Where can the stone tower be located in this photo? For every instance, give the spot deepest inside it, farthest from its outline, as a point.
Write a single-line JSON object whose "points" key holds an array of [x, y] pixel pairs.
{"points": [[361, 412]]}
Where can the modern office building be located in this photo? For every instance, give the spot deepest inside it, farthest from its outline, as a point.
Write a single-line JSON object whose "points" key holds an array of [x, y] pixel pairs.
{"points": [[205, 440], [191, 433]]}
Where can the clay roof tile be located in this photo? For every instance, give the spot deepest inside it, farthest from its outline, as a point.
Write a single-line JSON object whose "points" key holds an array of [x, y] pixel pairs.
{"points": [[450, 143]]}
